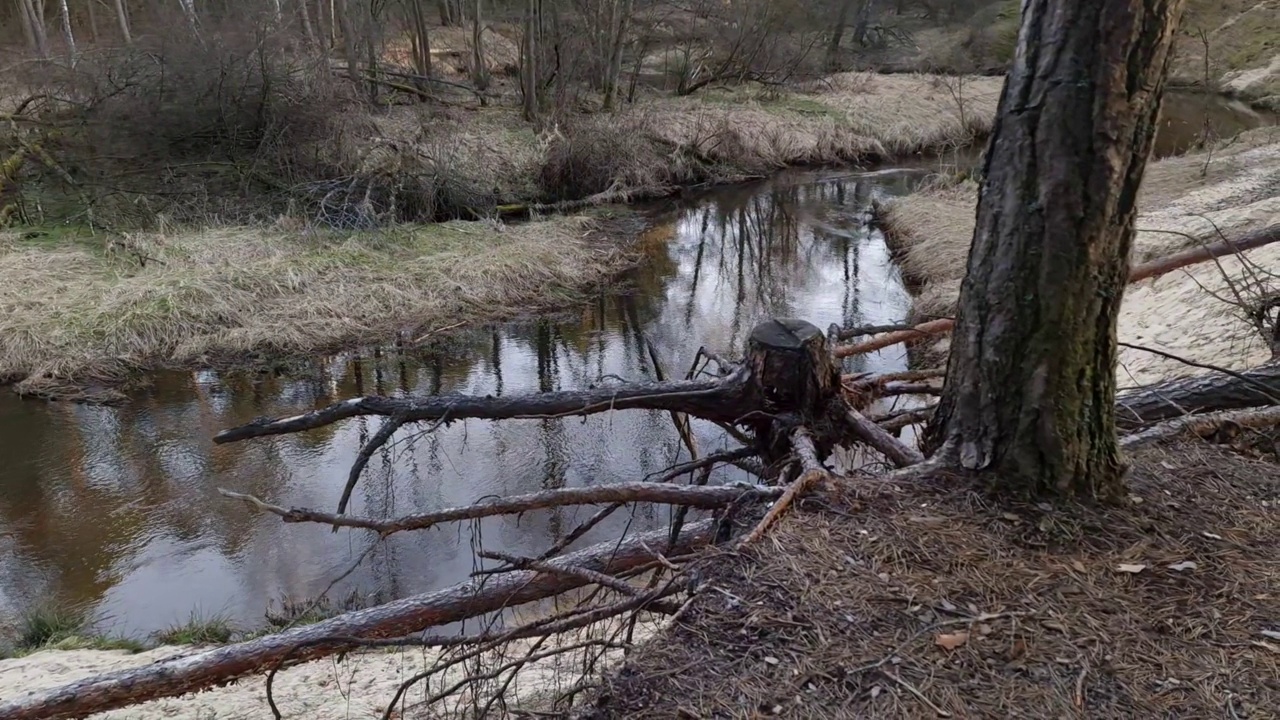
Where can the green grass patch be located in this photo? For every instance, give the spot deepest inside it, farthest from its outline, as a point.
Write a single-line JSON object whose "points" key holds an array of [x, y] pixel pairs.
{"points": [[198, 630], [60, 627]]}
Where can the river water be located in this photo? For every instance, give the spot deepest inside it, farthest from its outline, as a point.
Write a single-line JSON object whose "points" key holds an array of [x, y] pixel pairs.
{"points": [[116, 509]]}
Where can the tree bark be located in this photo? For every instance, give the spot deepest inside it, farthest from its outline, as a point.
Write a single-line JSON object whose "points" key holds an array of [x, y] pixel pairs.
{"points": [[191, 673], [1201, 393], [1030, 392], [479, 66], [68, 36], [618, 39], [122, 19]]}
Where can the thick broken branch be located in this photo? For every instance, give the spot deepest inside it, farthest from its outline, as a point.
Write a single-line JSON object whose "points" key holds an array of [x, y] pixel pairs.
{"points": [[720, 398], [898, 452], [700, 497], [202, 670], [1145, 271]]}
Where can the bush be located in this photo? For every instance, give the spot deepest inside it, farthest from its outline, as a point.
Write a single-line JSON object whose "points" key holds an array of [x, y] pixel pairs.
{"points": [[603, 153]]}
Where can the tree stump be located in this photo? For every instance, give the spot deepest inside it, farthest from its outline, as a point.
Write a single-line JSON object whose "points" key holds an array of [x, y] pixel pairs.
{"points": [[794, 381]]}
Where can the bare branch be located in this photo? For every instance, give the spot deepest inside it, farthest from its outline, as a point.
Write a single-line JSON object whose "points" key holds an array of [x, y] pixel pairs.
{"points": [[703, 497]]}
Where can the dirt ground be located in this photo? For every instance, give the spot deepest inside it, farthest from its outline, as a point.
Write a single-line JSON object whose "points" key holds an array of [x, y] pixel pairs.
{"points": [[926, 599]]}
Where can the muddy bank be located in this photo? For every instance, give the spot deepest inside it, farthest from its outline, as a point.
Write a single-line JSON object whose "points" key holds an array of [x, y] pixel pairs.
{"points": [[1232, 188], [80, 317]]}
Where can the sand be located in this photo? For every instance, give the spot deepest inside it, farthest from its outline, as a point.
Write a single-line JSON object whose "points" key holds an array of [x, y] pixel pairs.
{"points": [[358, 687], [1192, 312]]}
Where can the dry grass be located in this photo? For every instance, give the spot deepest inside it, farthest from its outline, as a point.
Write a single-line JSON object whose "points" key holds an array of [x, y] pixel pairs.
{"points": [[475, 160], [841, 611], [73, 314], [1182, 312]]}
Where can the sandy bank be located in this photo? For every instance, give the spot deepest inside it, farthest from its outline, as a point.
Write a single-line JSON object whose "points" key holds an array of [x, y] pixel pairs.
{"points": [[1236, 189], [72, 313], [356, 688]]}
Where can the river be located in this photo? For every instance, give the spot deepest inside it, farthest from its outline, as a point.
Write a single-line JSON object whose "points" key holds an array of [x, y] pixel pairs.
{"points": [[116, 508]]}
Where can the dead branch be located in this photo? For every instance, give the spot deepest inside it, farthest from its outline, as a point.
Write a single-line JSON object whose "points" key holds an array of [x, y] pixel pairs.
{"points": [[898, 452], [813, 474], [717, 398], [515, 562], [1202, 425], [701, 497], [899, 419], [190, 673], [1145, 271]]}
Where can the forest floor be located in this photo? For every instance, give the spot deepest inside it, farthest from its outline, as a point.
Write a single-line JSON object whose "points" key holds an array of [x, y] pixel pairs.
{"points": [[1185, 201], [925, 599], [83, 313]]}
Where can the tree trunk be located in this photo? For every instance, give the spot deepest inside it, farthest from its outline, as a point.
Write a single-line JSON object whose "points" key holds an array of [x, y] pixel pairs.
{"points": [[1200, 393], [613, 68], [1030, 391], [421, 40], [308, 29], [479, 66], [837, 32], [529, 77], [342, 18], [122, 19], [33, 17], [93, 21], [69, 37]]}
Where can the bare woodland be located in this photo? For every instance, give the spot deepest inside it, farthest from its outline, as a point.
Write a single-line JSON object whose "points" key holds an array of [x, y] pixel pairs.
{"points": [[1027, 405]]}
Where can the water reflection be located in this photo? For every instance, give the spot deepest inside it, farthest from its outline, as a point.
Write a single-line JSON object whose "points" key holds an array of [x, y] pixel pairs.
{"points": [[117, 507]]}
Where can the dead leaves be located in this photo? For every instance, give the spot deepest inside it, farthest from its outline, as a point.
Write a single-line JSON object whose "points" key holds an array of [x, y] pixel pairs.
{"points": [[951, 641], [1131, 568]]}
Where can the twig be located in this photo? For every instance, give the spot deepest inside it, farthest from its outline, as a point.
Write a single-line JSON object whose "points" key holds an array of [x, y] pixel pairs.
{"points": [[703, 497], [1202, 425], [516, 562], [491, 674], [919, 695]]}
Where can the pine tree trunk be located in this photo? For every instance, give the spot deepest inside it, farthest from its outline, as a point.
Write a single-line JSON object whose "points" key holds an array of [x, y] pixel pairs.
{"points": [[1030, 392]]}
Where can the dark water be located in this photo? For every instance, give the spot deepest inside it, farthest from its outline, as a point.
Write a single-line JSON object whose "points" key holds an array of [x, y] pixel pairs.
{"points": [[1188, 118], [116, 508]]}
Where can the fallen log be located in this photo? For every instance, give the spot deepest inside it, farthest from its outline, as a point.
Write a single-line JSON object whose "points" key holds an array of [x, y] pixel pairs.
{"points": [[1194, 395], [200, 671], [1145, 271], [1203, 425]]}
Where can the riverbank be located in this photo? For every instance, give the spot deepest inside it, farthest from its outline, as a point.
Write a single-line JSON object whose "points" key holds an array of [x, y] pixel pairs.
{"points": [[357, 685], [79, 320], [84, 314], [1184, 201]]}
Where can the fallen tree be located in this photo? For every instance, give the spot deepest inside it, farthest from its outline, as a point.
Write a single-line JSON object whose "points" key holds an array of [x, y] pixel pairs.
{"points": [[397, 619]]}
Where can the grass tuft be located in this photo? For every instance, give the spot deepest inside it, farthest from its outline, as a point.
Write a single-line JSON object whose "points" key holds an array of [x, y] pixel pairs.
{"points": [[198, 630]]}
